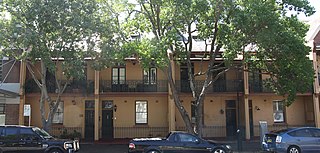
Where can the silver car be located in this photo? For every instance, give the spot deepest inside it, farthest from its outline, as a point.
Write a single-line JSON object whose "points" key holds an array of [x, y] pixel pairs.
{"points": [[293, 140]]}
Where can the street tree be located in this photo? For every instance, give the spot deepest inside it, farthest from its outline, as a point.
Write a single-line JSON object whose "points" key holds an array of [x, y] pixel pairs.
{"points": [[53, 34], [265, 34]]}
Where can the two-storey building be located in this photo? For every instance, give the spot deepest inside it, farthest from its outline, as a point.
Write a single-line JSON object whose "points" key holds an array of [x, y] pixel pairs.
{"points": [[126, 101]]}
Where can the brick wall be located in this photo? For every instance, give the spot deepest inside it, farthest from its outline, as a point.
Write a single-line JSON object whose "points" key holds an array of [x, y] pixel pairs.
{"points": [[12, 114]]}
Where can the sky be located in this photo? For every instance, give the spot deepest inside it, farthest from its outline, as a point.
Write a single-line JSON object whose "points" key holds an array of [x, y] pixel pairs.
{"points": [[316, 5]]}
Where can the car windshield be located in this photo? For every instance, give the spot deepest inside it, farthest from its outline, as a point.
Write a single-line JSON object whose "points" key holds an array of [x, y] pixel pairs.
{"points": [[42, 133]]}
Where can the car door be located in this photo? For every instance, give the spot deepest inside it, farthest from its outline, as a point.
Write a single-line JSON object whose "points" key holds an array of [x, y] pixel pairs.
{"points": [[316, 136], [172, 145], [304, 139], [192, 144], [11, 139], [29, 141]]}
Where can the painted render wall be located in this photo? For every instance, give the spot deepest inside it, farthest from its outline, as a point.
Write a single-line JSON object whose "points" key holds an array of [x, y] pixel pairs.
{"points": [[294, 114]]}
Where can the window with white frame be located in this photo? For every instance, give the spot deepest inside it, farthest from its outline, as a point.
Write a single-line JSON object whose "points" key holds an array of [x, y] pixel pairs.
{"points": [[141, 112], [2, 108], [150, 76], [118, 75], [278, 111], [58, 116]]}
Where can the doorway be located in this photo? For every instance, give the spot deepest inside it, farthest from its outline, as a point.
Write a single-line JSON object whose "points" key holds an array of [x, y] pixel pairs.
{"points": [[251, 119], [107, 120], [231, 119], [89, 120]]}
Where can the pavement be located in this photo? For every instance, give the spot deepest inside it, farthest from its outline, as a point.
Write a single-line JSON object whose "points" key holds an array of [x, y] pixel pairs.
{"points": [[121, 146]]}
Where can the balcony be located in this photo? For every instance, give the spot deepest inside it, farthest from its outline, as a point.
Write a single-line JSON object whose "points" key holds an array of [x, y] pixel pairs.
{"points": [[133, 86], [218, 86], [79, 86]]}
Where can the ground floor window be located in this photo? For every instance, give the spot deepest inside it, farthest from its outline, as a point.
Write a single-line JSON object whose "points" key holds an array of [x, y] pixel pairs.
{"points": [[58, 117], [278, 111], [141, 112]]}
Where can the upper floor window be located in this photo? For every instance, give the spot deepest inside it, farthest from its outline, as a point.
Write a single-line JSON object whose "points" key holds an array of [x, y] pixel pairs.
{"points": [[58, 117], [150, 76], [278, 111], [141, 112], [2, 108], [118, 75]]}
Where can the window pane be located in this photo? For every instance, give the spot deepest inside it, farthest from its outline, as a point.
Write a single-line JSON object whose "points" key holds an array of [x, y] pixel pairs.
{"points": [[278, 111], [58, 116], [153, 75], [2, 108], [141, 112], [114, 75], [11, 133], [145, 76]]}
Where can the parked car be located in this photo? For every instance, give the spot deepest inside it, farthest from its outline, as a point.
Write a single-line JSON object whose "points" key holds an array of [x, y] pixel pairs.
{"points": [[15, 138], [177, 142], [292, 140]]}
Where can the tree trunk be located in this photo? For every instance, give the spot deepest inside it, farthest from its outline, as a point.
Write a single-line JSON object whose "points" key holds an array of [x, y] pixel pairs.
{"points": [[184, 114]]}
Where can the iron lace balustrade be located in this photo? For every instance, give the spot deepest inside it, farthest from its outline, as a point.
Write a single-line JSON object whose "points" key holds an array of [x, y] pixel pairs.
{"points": [[216, 87], [134, 86]]}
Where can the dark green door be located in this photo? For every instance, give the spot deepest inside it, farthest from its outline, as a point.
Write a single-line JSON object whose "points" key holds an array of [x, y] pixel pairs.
{"points": [[251, 118], [89, 120], [107, 124], [231, 118]]}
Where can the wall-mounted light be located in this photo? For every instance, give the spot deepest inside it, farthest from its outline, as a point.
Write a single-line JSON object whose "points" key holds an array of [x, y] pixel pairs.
{"points": [[221, 111], [115, 108], [74, 102], [257, 108]]}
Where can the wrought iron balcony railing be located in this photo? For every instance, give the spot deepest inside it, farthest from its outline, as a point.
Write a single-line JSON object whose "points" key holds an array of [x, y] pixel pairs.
{"points": [[218, 86], [134, 86]]}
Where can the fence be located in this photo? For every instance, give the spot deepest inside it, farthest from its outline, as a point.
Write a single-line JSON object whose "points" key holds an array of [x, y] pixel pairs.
{"points": [[58, 131], [209, 131], [136, 132]]}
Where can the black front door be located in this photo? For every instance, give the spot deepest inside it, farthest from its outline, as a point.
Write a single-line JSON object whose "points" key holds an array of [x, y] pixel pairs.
{"points": [[107, 124], [89, 120], [231, 119], [107, 119]]}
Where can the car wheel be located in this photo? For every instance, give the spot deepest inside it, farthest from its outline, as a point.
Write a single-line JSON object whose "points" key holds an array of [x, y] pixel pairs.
{"points": [[55, 151], [153, 151], [219, 150], [294, 149]]}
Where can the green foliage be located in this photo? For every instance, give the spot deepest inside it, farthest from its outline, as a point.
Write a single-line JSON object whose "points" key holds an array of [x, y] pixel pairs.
{"points": [[50, 29], [269, 38]]}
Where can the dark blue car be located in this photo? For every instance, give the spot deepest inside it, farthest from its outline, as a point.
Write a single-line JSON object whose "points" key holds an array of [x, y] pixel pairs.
{"points": [[177, 142], [293, 140]]}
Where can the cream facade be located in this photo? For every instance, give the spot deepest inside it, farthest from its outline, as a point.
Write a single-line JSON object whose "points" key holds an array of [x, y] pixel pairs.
{"points": [[126, 102]]}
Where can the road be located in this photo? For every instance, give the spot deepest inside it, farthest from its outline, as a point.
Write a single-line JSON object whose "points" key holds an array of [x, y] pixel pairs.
{"points": [[102, 148]]}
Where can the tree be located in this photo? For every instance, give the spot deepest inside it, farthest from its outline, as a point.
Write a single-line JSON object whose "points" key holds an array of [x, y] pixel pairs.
{"points": [[54, 33], [261, 31]]}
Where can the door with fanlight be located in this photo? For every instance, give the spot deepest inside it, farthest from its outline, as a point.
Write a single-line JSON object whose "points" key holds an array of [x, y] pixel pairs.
{"points": [[89, 120], [107, 119]]}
